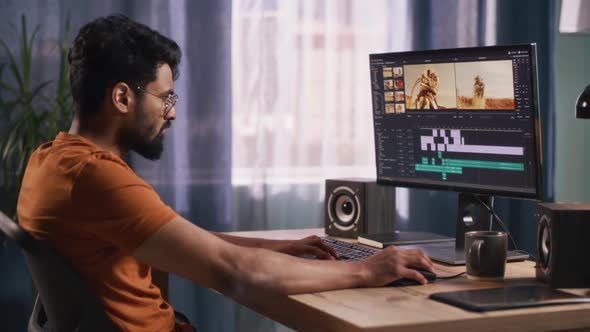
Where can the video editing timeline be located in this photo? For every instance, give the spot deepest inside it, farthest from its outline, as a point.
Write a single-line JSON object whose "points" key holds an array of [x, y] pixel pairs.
{"points": [[456, 118], [470, 149]]}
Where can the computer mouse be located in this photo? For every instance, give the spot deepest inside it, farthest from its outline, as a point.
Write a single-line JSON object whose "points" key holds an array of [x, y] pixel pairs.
{"points": [[430, 277]]}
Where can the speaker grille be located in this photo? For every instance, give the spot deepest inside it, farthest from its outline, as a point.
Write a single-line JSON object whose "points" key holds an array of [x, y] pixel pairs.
{"points": [[344, 208], [544, 242]]}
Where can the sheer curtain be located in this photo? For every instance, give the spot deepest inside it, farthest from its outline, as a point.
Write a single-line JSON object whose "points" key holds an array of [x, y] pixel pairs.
{"points": [[302, 105], [301, 102]]}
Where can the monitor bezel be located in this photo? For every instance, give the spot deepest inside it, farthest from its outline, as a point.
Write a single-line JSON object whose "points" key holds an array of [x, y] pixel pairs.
{"points": [[538, 194]]}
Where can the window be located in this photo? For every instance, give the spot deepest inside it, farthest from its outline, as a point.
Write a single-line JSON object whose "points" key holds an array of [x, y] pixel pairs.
{"points": [[301, 96]]}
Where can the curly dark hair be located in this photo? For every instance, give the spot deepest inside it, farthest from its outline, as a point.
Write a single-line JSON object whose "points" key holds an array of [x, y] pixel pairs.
{"points": [[116, 49]]}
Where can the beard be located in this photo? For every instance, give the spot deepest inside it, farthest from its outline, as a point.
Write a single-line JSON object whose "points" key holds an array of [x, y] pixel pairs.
{"points": [[152, 149], [142, 143]]}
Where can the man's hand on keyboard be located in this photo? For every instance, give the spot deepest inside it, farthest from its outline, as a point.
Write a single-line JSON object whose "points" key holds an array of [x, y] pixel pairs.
{"points": [[311, 245], [392, 263]]}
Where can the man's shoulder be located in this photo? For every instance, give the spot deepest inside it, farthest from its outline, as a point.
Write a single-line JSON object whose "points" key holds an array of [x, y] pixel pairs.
{"points": [[107, 160], [71, 153], [101, 167], [77, 148]]}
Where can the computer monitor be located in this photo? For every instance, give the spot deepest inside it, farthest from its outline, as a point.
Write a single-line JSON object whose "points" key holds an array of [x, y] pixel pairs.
{"points": [[463, 120]]}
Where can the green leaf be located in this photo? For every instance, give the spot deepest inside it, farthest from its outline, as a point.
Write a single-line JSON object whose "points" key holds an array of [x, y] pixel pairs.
{"points": [[5, 166], [7, 86], [12, 64], [63, 108], [11, 144], [38, 89], [27, 55], [20, 168], [6, 109]]}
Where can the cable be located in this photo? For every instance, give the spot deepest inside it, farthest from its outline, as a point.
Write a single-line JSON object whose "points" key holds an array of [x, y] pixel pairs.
{"points": [[451, 277], [491, 216], [527, 253], [499, 221], [505, 229]]}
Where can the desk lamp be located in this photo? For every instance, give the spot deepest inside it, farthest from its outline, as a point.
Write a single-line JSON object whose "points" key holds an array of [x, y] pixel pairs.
{"points": [[583, 104], [575, 19]]}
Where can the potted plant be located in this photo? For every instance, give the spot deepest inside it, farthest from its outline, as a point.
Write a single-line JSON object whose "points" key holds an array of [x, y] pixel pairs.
{"points": [[31, 112]]}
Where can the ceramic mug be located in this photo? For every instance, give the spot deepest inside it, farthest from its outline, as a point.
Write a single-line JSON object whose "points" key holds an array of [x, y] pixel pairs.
{"points": [[485, 254]]}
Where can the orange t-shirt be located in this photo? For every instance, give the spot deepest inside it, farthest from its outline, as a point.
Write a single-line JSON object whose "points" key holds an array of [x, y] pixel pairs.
{"points": [[95, 211]]}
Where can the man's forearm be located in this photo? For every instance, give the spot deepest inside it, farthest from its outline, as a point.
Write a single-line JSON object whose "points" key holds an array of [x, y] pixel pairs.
{"points": [[311, 245], [260, 270], [247, 241]]}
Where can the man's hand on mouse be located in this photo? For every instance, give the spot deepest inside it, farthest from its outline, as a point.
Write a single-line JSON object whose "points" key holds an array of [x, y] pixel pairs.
{"points": [[393, 263]]}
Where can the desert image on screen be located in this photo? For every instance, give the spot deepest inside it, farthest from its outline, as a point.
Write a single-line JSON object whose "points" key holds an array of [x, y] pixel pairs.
{"points": [[430, 86], [485, 85], [478, 85]]}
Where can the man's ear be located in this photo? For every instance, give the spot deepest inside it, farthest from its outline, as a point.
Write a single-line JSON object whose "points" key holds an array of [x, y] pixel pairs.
{"points": [[122, 97]]}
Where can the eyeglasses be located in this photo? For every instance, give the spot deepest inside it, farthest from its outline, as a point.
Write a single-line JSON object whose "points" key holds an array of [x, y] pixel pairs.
{"points": [[169, 100]]}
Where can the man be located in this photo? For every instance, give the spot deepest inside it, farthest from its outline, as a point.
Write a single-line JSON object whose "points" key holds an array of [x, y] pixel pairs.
{"points": [[81, 196]]}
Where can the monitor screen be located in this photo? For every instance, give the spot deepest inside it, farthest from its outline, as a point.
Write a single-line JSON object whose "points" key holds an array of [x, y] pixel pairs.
{"points": [[461, 119]]}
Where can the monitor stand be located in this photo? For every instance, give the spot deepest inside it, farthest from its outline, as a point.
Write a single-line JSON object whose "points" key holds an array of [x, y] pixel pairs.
{"points": [[471, 216]]}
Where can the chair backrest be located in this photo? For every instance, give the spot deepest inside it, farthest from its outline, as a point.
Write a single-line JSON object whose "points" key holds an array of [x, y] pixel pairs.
{"points": [[67, 302]]}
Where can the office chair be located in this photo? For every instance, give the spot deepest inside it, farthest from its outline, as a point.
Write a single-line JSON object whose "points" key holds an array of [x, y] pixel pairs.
{"points": [[64, 303]]}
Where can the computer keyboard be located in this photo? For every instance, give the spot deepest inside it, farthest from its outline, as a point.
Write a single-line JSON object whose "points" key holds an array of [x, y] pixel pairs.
{"points": [[442, 252], [349, 251]]}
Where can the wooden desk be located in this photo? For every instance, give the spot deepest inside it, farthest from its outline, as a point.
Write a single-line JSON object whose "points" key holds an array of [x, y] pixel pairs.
{"points": [[409, 309]]}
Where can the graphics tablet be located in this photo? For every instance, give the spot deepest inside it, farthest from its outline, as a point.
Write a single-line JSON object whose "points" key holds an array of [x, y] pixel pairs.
{"points": [[508, 298]]}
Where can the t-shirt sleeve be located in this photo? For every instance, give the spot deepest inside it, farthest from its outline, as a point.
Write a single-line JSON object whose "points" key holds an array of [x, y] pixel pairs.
{"points": [[114, 204]]}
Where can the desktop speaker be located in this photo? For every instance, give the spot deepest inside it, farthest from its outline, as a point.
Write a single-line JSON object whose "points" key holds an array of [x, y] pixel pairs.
{"points": [[562, 236], [358, 206]]}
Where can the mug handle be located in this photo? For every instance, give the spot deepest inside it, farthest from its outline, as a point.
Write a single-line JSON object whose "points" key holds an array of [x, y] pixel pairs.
{"points": [[474, 254]]}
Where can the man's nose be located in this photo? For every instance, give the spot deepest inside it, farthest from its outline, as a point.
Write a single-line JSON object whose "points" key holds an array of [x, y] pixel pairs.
{"points": [[171, 114]]}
